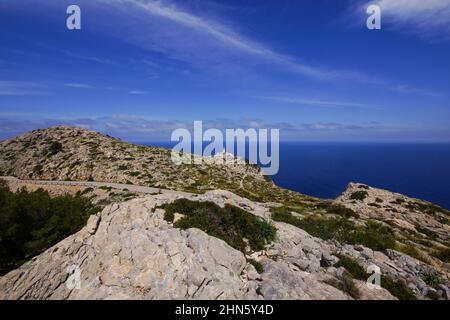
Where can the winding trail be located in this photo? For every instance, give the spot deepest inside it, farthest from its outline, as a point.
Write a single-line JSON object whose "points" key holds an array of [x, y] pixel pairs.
{"points": [[96, 184]]}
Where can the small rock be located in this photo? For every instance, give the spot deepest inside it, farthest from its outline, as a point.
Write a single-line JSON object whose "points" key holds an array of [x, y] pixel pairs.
{"points": [[327, 260]]}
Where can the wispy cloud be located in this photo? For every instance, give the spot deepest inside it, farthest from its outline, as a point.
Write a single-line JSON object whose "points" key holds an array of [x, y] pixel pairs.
{"points": [[90, 58], [428, 18], [137, 92], [406, 89], [20, 88], [183, 28], [310, 102], [78, 85]]}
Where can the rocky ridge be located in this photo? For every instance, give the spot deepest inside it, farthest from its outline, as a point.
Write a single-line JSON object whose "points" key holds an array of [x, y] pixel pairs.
{"points": [[129, 251], [132, 251], [68, 153]]}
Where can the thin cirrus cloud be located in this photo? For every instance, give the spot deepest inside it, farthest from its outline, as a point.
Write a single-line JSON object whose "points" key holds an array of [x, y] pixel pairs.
{"points": [[79, 86], [177, 28], [430, 19], [20, 88], [406, 89], [310, 102], [137, 92]]}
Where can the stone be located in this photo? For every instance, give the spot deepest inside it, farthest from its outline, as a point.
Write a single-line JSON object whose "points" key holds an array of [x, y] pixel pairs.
{"points": [[327, 260]]}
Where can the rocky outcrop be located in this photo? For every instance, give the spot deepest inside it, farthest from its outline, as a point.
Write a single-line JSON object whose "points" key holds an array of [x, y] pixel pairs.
{"points": [[128, 251], [397, 209], [416, 223], [70, 153]]}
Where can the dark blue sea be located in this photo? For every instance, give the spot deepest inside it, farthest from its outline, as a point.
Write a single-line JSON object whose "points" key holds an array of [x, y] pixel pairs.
{"points": [[324, 169]]}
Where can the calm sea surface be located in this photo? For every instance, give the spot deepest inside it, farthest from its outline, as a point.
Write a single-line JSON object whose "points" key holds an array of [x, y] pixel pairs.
{"points": [[324, 169]]}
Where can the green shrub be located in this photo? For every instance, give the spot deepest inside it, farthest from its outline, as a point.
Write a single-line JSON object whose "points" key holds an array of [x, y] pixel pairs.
{"points": [[432, 278], [441, 219], [31, 222], [359, 195], [338, 209], [55, 147], [443, 255], [373, 235], [351, 266], [429, 233], [38, 169], [373, 204], [345, 284], [258, 265], [425, 207], [231, 224], [412, 252], [398, 201], [397, 288], [3, 183]]}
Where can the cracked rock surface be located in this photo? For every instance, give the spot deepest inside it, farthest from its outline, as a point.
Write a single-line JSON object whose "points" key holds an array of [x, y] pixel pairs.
{"points": [[128, 251]]}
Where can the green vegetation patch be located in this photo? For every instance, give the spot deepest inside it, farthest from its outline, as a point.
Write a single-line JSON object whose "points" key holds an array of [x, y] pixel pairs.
{"points": [[432, 278], [425, 207], [359, 195], [258, 265], [38, 169], [397, 288], [355, 269], [412, 252], [55, 147], [443, 255], [235, 226], [31, 222], [345, 284], [429, 233], [338, 209], [373, 235]]}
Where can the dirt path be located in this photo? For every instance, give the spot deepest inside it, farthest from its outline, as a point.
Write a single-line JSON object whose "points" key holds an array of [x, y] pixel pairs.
{"points": [[95, 184]]}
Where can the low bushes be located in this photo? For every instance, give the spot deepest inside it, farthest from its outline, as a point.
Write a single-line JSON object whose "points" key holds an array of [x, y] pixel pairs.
{"points": [[443, 255], [345, 284], [359, 195], [258, 265], [55, 147], [235, 226], [338, 209], [373, 235], [397, 288], [31, 222]]}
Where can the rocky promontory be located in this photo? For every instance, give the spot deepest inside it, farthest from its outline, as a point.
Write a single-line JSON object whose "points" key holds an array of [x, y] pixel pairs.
{"points": [[227, 234]]}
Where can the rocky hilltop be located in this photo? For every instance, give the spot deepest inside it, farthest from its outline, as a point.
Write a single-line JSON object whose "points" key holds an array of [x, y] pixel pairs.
{"points": [[233, 236], [75, 154]]}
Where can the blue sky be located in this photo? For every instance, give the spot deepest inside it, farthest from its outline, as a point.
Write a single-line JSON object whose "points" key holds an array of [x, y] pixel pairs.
{"points": [[140, 68]]}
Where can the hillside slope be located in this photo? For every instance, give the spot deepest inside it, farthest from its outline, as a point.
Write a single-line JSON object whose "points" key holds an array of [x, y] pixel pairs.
{"points": [[155, 247], [76, 154]]}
